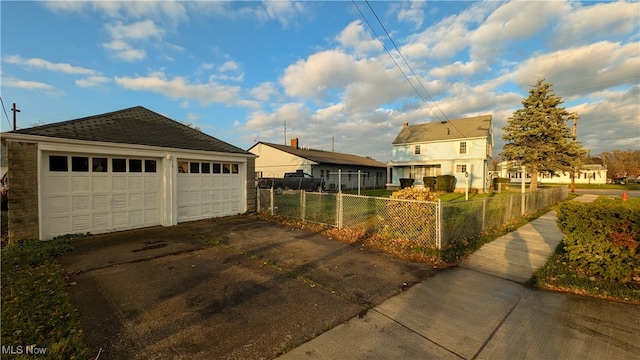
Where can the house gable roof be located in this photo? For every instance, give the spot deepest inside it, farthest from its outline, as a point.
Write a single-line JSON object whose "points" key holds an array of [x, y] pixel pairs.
{"points": [[477, 126], [136, 125], [326, 157]]}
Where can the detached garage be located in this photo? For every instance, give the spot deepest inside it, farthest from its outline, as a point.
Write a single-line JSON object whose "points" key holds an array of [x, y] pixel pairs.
{"points": [[122, 170]]}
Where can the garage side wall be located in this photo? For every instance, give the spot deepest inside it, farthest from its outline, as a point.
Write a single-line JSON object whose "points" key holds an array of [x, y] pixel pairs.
{"points": [[22, 159], [251, 186]]}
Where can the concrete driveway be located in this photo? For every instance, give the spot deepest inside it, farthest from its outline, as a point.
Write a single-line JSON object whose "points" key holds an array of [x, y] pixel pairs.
{"points": [[261, 290]]}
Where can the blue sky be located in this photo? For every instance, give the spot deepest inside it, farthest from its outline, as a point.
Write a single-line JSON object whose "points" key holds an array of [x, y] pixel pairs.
{"points": [[240, 70]]}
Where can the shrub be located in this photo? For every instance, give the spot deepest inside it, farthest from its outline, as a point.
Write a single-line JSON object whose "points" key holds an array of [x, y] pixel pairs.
{"points": [[414, 194], [429, 182], [446, 183], [601, 239]]}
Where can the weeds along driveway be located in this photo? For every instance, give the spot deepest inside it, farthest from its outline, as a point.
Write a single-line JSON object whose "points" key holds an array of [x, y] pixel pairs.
{"points": [[162, 293]]}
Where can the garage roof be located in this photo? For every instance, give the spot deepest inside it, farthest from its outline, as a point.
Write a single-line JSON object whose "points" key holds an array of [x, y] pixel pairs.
{"points": [[137, 125], [326, 157]]}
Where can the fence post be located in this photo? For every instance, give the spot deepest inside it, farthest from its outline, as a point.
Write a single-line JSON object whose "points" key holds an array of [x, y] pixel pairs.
{"points": [[439, 229], [484, 212], [272, 202], [258, 208], [339, 210], [303, 204]]}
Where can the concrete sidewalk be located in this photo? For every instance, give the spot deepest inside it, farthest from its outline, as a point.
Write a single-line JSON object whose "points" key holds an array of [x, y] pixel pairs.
{"points": [[481, 310]]}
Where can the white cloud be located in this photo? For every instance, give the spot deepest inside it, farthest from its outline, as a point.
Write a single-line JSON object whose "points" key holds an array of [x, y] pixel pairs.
{"points": [[124, 35], [25, 84], [180, 88], [588, 24], [412, 12], [584, 69], [38, 63], [92, 81], [283, 11], [173, 11], [265, 92], [356, 37]]}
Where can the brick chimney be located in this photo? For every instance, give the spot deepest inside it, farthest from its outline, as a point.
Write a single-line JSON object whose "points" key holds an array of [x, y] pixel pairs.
{"points": [[294, 143]]}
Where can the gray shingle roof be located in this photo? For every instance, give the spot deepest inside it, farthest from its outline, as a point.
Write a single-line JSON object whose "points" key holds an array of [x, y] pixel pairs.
{"points": [[476, 126], [327, 157], [136, 125]]}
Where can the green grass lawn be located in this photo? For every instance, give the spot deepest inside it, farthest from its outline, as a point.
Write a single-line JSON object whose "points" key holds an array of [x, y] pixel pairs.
{"points": [[36, 308]]}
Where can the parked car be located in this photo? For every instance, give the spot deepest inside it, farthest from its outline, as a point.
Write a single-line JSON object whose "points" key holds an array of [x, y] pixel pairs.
{"points": [[295, 181], [620, 181]]}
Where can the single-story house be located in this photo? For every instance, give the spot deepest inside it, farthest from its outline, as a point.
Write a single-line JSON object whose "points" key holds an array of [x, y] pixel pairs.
{"points": [[274, 160], [588, 174], [125, 169], [461, 147]]}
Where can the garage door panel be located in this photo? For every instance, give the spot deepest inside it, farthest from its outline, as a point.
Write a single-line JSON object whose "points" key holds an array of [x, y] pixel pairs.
{"points": [[59, 204], [151, 183], [81, 203], [81, 223], [100, 202], [136, 201], [81, 184], [136, 217], [135, 183], [100, 184], [59, 184], [120, 219], [119, 183], [150, 200], [60, 225], [98, 199], [100, 221], [119, 201]]}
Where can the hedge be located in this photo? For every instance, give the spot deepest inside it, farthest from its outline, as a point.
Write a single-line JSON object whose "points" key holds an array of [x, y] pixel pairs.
{"points": [[601, 238], [446, 183]]}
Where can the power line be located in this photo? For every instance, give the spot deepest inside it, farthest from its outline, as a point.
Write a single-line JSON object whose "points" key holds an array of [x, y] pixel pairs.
{"points": [[405, 60], [5, 113], [394, 60]]}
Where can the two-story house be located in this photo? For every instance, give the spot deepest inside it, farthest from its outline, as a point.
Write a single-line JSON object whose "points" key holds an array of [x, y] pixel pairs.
{"points": [[462, 148]]}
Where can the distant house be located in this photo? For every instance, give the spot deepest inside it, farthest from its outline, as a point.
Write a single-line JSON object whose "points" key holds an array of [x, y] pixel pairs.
{"points": [[121, 170], [274, 160], [458, 147], [589, 174]]}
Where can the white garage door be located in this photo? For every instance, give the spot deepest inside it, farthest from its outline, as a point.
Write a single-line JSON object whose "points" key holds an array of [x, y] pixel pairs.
{"points": [[98, 194], [208, 189]]}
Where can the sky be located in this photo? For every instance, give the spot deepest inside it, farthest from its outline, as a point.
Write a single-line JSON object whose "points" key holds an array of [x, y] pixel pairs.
{"points": [[337, 75]]}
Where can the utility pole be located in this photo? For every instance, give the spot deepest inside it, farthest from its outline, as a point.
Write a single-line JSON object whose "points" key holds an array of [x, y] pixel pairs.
{"points": [[575, 136], [15, 111]]}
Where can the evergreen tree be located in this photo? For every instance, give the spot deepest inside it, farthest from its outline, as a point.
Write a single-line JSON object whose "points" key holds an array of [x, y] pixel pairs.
{"points": [[538, 136]]}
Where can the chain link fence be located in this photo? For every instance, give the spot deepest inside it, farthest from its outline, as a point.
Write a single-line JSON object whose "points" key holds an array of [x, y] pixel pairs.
{"points": [[421, 223]]}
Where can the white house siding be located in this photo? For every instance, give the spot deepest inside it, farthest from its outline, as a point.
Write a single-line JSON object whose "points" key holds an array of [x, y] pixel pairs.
{"points": [[275, 163], [445, 154]]}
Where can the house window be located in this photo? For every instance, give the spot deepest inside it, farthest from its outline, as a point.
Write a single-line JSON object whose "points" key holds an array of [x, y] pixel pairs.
{"points": [[194, 167], [135, 165], [58, 163], [217, 169], [461, 168], [80, 163], [149, 166], [463, 147], [235, 168], [183, 167], [417, 150], [119, 165], [206, 168], [226, 168], [99, 164]]}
